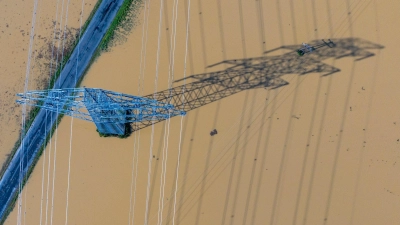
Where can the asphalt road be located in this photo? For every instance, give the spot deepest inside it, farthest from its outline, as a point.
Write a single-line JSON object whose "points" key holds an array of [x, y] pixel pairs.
{"points": [[71, 73]]}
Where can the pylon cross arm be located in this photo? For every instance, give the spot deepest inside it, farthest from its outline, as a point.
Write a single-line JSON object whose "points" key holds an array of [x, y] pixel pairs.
{"points": [[99, 106]]}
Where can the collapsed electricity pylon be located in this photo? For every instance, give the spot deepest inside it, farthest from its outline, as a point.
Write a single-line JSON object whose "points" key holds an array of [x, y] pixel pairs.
{"points": [[259, 72], [112, 112]]}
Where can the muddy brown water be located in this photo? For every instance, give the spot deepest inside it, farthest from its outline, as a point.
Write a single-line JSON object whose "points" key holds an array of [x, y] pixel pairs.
{"points": [[315, 152]]}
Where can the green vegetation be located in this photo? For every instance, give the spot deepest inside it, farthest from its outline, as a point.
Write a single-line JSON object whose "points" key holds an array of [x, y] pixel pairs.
{"points": [[121, 21], [35, 110], [30, 170], [127, 133], [61, 65], [124, 20]]}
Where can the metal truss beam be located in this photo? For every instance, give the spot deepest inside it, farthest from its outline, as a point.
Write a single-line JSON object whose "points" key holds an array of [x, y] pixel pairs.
{"points": [[258, 72]]}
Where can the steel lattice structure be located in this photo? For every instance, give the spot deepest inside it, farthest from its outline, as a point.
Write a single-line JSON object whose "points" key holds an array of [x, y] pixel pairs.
{"points": [[259, 72], [112, 111], [109, 110]]}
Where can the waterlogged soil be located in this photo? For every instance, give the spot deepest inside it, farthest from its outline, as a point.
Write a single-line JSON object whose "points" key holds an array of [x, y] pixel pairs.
{"points": [[321, 150], [50, 28]]}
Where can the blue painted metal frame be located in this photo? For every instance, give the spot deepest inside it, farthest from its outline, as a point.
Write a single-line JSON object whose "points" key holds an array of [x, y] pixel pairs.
{"points": [[100, 106]]}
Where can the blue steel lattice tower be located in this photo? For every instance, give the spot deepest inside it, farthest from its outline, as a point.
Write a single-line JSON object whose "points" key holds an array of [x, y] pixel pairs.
{"points": [[110, 111]]}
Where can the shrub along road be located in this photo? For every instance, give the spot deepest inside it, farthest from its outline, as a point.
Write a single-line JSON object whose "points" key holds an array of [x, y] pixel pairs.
{"points": [[73, 71]]}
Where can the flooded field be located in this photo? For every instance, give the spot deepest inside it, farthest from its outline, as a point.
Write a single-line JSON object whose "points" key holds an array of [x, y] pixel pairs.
{"points": [[15, 32], [320, 150]]}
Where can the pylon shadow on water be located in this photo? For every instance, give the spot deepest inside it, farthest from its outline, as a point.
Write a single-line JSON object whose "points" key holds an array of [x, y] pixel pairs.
{"points": [[260, 72]]}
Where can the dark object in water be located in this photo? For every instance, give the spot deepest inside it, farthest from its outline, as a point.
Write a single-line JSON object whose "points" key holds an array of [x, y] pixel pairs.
{"points": [[213, 132]]}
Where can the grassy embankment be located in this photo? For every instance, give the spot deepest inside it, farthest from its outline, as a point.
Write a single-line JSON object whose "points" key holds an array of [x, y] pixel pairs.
{"points": [[30, 117], [104, 46]]}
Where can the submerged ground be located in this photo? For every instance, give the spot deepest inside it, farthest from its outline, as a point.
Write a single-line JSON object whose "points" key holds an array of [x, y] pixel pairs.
{"points": [[322, 149]]}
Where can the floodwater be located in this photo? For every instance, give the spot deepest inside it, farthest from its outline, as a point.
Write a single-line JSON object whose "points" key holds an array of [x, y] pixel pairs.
{"points": [[15, 30], [321, 150]]}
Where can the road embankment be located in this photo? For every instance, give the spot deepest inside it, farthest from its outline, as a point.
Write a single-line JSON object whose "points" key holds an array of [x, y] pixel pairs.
{"points": [[69, 77]]}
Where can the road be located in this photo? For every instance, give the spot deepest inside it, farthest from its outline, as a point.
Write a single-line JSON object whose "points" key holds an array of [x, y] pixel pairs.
{"points": [[72, 72]]}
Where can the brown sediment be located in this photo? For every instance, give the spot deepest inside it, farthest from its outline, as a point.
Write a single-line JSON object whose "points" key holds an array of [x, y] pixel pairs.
{"points": [[365, 187], [15, 52]]}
